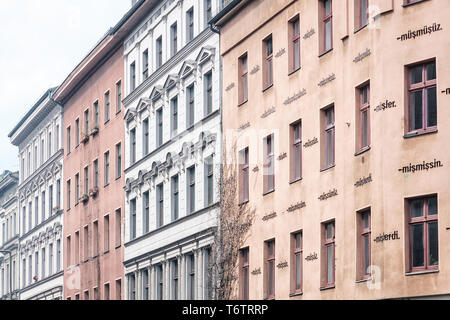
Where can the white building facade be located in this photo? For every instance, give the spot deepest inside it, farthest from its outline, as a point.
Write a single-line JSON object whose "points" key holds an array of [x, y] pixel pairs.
{"points": [[9, 236], [40, 200], [172, 151]]}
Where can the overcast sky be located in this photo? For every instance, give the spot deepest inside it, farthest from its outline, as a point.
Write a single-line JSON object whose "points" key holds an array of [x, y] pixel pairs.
{"points": [[41, 41]]}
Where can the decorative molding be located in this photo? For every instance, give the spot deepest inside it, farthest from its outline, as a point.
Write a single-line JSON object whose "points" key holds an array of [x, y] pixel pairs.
{"points": [[296, 207], [362, 56], [255, 70], [281, 52], [295, 97], [270, 216], [309, 34], [328, 195], [363, 181], [268, 112], [327, 80], [311, 142]]}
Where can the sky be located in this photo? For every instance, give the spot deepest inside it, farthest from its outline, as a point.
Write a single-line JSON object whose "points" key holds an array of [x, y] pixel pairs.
{"points": [[41, 42]]}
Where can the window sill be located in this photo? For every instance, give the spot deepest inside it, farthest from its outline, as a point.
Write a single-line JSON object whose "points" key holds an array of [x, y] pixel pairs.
{"points": [[362, 151], [414, 134], [118, 247], [268, 192], [120, 111], [360, 28], [242, 103], [118, 178], [107, 121], [293, 71], [324, 53], [328, 168], [267, 88], [243, 203], [106, 185], [295, 181], [328, 288], [412, 3], [297, 294], [416, 273], [106, 252], [363, 280]]}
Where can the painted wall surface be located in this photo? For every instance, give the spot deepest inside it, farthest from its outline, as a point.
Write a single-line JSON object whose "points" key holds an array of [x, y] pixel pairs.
{"points": [[86, 273], [389, 152]]}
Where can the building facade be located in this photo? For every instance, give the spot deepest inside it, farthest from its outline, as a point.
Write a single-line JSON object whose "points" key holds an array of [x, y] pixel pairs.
{"points": [[39, 139], [172, 151], [338, 110], [9, 236]]}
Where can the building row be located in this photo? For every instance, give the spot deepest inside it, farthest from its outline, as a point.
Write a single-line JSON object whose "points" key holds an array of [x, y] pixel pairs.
{"points": [[330, 114]]}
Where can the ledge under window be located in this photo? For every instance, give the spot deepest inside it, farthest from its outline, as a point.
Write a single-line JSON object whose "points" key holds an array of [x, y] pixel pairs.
{"points": [[327, 168], [325, 52], [362, 151], [242, 103], [412, 3], [297, 294], [295, 181], [414, 134], [360, 28], [328, 288], [291, 72], [268, 192], [267, 88], [416, 273]]}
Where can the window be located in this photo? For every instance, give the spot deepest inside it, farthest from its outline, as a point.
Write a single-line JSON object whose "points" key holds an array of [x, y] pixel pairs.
{"points": [[244, 274], [208, 100], [364, 244], [86, 243], [42, 208], [43, 267], [174, 116], [209, 181], [58, 194], [95, 244], [159, 127], [133, 144], [294, 44], [58, 255], [208, 12], [77, 132], [118, 160], [24, 273], [107, 107], [42, 153], [86, 122], [36, 210], [24, 220], [57, 138], [328, 254], [86, 295], [175, 198], [328, 138], [190, 273], [296, 263], [30, 217], [35, 158], [131, 287], [173, 39], [50, 201], [106, 293], [326, 27], [68, 248], [77, 247], [86, 181], [49, 148], [270, 269], [133, 76], [118, 96], [361, 13], [146, 212], [174, 280], [145, 285], [159, 52], [106, 168], [363, 118], [190, 103], [96, 114], [133, 219], [190, 25], [77, 188], [68, 195], [422, 214], [244, 175], [118, 228], [159, 282], [422, 98], [268, 62], [296, 151], [207, 279], [119, 289], [69, 146], [95, 173], [160, 206], [96, 293], [191, 190], [106, 233], [243, 79], [269, 165], [145, 65], [145, 141], [36, 266]]}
